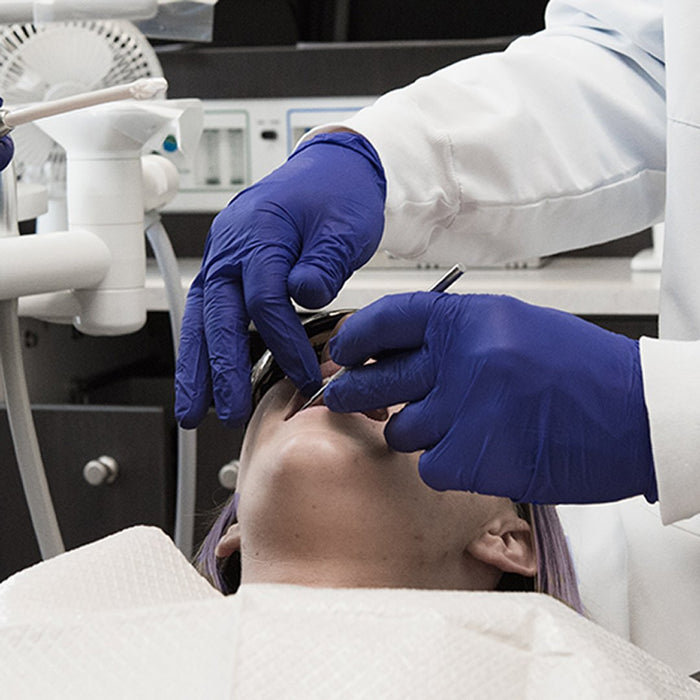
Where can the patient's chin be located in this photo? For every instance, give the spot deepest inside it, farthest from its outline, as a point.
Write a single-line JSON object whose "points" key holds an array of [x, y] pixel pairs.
{"points": [[309, 453]]}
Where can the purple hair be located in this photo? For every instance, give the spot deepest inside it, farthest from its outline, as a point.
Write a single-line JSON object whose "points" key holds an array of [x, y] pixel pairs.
{"points": [[206, 561], [555, 576]]}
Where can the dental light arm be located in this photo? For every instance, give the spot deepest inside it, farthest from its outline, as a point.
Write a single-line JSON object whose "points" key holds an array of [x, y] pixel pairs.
{"points": [[94, 273]]}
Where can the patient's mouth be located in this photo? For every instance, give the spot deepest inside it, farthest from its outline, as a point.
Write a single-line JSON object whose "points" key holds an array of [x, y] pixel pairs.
{"points": [[298, 400], [328, 369]]}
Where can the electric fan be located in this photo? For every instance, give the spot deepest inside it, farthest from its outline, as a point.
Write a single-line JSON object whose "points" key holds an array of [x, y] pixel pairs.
{"points": [[41, 62]]}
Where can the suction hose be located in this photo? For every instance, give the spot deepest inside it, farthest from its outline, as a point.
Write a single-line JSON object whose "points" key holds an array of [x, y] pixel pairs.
{"points": [[31, 467], [186, 439]]}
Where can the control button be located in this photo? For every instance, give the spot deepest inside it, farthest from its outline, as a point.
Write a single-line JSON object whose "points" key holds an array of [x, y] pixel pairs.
{"points": [[170, 143]]}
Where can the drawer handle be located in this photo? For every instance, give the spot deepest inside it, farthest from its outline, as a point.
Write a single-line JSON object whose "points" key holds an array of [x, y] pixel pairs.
{"points": [[103, 470]]}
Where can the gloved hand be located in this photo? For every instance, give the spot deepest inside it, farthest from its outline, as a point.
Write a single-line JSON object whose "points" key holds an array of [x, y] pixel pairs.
{"points": [[7, 149], [300, 232], [505, 398]]}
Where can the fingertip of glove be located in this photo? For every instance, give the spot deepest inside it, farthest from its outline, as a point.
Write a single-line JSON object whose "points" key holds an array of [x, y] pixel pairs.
{"points": [[187, 423], [7, 151], [331, 399], [310, 287], [187, 412], [186, 418], [432, 477], [309, 386], [333, 348], [392, 435], [338, 351]]}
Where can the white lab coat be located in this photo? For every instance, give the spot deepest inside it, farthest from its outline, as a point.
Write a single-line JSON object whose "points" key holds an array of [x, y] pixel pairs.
{"points": [[584, 132]]}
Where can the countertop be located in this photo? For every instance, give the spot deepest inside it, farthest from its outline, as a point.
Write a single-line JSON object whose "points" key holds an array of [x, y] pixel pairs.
{"points": [[579, 285]]}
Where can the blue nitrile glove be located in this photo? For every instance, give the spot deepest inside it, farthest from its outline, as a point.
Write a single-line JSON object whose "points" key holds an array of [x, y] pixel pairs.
{"points": [[7, 149], [506, 398], [300, 232]]}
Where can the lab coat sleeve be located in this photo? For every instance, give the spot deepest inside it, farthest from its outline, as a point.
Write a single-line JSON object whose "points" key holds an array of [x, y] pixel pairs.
{"points": [[556, 143], [671, 390]]}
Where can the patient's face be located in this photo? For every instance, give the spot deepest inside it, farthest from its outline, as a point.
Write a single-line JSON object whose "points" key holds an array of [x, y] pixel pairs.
{"points": [[324, 501]]}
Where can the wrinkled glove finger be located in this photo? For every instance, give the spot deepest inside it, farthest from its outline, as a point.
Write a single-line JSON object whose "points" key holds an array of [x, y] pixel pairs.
{"points": [[418, 426], [226, 330], [402, 377], [394, 322], [268, 304], [193, 394]]}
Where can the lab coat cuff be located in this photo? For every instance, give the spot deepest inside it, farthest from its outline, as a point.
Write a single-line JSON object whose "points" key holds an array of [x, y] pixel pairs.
{"points": [[415, 210], [671, 375], [335, 127]]}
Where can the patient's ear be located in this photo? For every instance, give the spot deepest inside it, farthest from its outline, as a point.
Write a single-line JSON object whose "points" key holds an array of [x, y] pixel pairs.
{"points": [[506, 543], [229, 543]]}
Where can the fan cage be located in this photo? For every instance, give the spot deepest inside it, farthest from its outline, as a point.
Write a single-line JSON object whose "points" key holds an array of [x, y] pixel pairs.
{"points": [[38, 159]]}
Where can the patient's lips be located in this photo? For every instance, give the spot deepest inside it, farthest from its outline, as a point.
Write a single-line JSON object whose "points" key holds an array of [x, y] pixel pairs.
{"points": [[294, 405], [328, 369]]}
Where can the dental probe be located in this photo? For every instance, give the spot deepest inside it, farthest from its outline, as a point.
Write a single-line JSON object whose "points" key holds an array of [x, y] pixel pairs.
{"points": [[451, 276], [141, 89]]}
